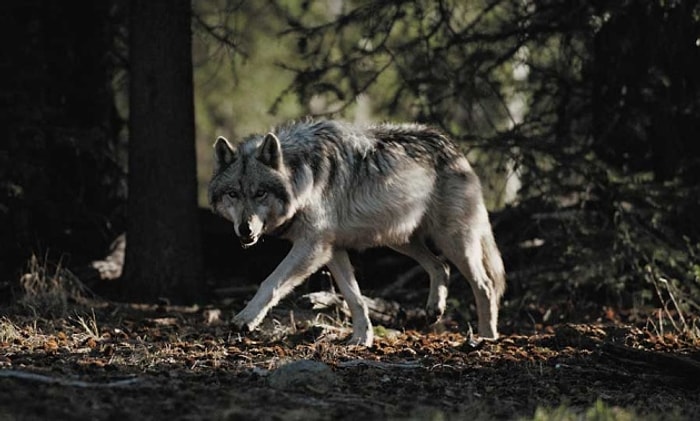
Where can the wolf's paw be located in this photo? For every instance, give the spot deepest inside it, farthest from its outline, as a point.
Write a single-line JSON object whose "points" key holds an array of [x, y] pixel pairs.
{"points": [[362, 339], [433, 315], [489, 336], [240, 327], [244, 322], [488, 330]]}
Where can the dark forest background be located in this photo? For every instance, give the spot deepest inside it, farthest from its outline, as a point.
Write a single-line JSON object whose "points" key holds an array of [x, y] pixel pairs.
{"points": [[581, 117]]}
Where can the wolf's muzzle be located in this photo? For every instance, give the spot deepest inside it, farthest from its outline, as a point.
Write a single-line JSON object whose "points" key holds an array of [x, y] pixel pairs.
{"points": [[246, 235], [244, 231]]}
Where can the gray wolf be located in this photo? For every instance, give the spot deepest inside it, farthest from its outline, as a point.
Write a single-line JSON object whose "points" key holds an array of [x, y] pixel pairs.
{"points": [[329, 186]]}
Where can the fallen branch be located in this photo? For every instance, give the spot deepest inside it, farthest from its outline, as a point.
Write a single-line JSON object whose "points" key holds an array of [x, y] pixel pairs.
{"points": [[380, 364], [385, 312], [40, 378]]}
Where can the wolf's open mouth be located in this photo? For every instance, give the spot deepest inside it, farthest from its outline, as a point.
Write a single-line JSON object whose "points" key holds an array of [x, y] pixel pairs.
{"points": [[247, 242]]}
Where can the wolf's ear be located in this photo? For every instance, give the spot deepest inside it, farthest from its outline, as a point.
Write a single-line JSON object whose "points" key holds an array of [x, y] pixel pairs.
{"points": [[224, 153], [270, 151]]}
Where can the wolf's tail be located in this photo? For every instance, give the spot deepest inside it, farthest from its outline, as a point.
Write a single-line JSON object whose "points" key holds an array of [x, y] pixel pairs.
{"points": [[493, 263]]}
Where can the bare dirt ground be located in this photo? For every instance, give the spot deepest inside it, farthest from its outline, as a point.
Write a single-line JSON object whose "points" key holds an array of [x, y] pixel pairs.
{"points": [[123, 361]]}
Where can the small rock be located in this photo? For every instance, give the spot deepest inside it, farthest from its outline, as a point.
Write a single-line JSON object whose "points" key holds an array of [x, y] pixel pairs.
{"points": [[303, 375]]}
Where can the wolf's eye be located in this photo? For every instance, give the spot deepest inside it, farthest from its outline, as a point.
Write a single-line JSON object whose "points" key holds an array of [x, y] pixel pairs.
{"points": [[260, 194], [233, 194]]}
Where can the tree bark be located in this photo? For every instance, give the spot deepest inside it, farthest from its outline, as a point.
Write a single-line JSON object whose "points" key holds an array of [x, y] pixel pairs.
{"points": [[163, 254]]}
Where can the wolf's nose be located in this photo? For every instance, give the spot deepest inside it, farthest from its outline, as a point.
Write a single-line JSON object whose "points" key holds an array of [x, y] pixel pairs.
{"points": [[244, 230]]}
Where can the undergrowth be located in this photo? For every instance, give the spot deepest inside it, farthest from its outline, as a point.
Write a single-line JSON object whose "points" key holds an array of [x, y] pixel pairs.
{"points": [[47, 289]]}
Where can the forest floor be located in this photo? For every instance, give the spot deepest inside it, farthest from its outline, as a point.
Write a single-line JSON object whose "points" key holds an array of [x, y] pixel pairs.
{"points": [[116, 361]]}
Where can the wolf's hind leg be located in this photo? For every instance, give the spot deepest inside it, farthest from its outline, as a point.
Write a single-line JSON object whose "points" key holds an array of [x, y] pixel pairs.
{"points": [[466, 252], [438, 271], [303, 260], [342, 272]]}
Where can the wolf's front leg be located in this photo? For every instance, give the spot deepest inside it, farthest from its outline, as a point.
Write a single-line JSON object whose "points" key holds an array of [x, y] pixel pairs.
{"points": [[305, 258]]}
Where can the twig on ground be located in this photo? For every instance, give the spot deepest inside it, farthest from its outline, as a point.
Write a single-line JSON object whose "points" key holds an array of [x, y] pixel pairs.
{"points": [[380, 364], [40, 378]]}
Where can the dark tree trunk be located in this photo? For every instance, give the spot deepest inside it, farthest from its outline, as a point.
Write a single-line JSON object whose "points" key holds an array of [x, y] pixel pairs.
{"points": [[163, 253], [59, 155]]}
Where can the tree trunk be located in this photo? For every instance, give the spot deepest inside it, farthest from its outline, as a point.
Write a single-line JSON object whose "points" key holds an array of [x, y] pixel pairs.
{"points": [[163, 253]]}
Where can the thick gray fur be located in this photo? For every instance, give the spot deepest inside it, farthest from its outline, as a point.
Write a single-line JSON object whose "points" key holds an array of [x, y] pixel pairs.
{"points": [[329, 186]]}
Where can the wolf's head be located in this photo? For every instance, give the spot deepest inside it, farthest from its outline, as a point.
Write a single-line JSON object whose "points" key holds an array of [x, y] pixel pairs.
{"points": [[251, 186]]}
